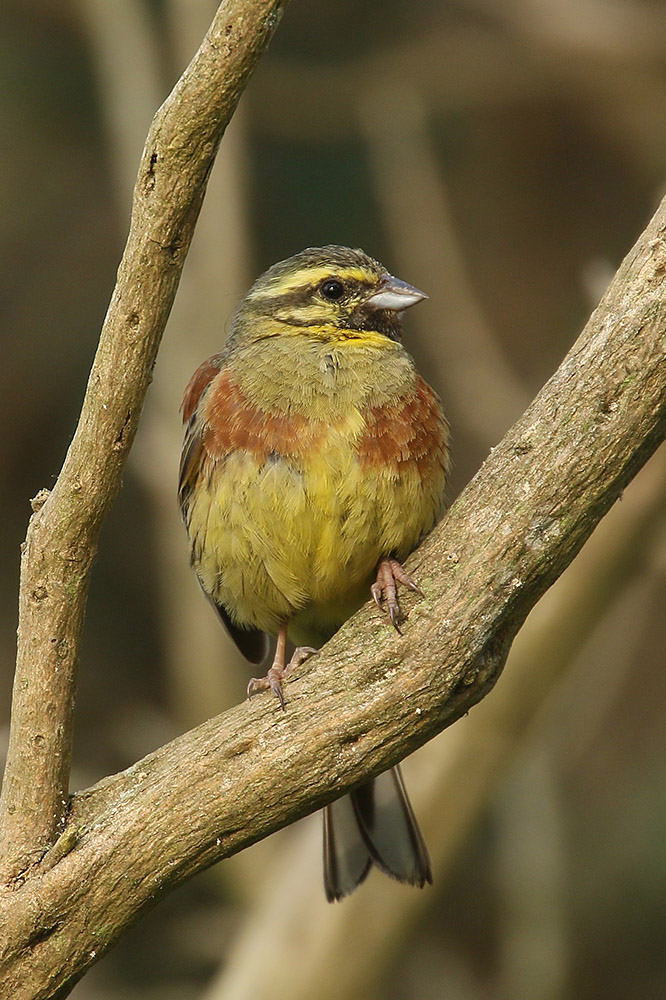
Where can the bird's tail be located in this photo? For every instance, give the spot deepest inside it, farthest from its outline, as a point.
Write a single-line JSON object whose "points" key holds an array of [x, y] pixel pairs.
{"points": [[375, 824]]}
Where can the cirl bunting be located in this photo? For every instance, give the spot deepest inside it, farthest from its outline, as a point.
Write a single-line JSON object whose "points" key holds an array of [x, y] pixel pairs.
{"points": [[314, 462]]}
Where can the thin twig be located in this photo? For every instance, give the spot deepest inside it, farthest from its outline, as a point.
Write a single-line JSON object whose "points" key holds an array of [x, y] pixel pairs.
{"points": [[63, 533]]}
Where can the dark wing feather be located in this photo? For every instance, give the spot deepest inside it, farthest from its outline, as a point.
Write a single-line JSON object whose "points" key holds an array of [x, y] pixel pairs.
{"points": [[191, 459], [251, 642]]}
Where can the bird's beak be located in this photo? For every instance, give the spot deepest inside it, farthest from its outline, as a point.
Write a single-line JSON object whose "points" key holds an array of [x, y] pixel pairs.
{"points": [[395, 295]]}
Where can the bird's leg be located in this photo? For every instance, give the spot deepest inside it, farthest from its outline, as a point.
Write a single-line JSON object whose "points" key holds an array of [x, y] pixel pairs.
{"points": [[277, 669], [275, 672], [384, 589]]}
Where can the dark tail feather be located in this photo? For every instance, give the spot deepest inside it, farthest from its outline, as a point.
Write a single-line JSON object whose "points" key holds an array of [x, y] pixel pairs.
{"points": [[347, 859], [375, 824]]}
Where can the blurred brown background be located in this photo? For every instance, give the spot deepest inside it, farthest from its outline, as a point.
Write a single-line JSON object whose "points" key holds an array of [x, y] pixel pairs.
{"points": [[503, 155]]}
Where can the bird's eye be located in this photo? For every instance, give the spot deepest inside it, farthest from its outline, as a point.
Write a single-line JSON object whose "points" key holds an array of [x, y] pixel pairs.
{"points": [[332, 289]]}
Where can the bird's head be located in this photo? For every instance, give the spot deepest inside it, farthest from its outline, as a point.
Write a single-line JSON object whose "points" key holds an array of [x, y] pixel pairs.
{"points": [[328, 292]]}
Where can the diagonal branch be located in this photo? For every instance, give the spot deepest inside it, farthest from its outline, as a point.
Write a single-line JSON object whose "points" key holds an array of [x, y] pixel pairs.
{"points": [[64, 530], [237, 778]]}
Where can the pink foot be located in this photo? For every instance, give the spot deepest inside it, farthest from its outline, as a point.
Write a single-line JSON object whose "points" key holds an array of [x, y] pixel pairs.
{"points": [[385, 591]]}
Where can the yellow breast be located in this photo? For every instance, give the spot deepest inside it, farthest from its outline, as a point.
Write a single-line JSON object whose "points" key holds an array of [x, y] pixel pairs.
{"points": [[294, 506]]}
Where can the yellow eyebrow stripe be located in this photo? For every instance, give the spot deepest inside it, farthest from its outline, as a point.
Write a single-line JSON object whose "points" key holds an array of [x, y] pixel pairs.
{"points": [[310, 276]]}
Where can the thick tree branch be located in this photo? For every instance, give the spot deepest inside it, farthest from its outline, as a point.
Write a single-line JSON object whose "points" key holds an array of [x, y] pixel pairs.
{"points": [[63, 533], [452, 784], [371, 696]]}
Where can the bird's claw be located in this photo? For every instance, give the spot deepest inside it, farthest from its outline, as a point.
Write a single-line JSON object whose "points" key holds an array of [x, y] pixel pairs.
{"points": [[271, 682], [385, 592], [273, 679]]}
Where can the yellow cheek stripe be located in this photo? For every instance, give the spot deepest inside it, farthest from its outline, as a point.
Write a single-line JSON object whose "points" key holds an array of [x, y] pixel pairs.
{"points": [[308, 276], [330, 332]]}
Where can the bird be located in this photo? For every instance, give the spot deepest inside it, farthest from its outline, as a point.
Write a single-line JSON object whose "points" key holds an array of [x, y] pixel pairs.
{"points": [[314, 461]]}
